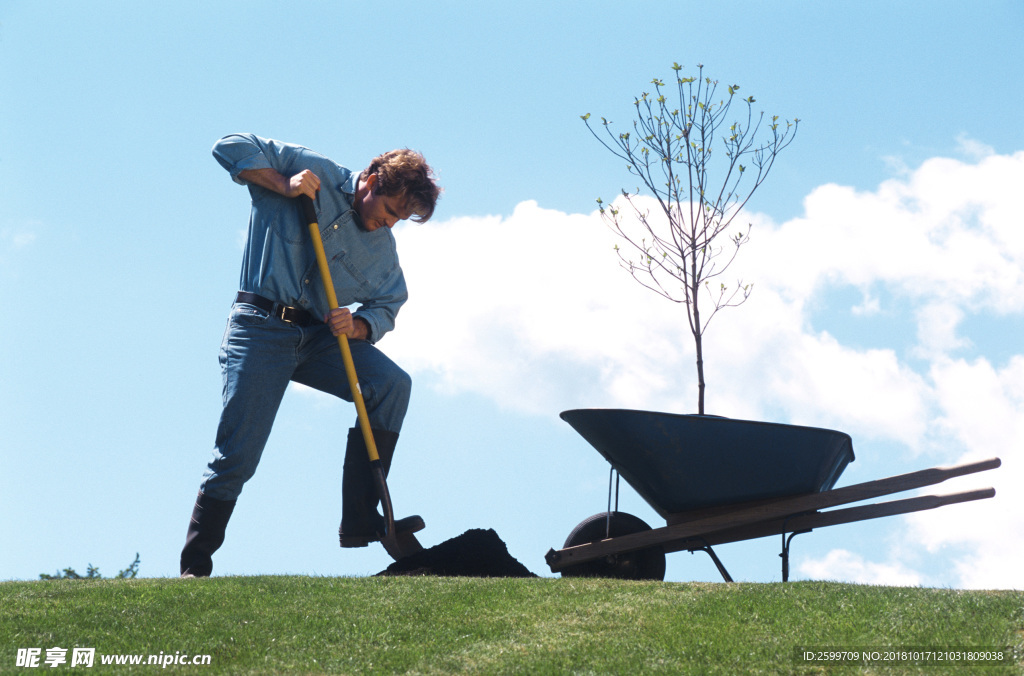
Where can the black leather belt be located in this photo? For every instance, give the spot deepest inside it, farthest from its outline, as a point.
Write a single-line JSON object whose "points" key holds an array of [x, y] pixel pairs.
{"points": [[293, 315]]}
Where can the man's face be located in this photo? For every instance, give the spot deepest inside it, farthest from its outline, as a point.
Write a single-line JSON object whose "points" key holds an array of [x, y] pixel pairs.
{"points": [[378, 211]]}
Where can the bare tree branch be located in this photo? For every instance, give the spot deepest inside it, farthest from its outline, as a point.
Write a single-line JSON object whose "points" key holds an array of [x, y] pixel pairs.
{"points": [[671, 151]]}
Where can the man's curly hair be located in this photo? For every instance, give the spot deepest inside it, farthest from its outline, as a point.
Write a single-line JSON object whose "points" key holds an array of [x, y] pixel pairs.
{"points": [[405, 172]]}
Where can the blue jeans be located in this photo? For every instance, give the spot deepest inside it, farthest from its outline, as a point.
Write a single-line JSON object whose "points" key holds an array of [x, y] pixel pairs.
{"points": [[259, 356]]}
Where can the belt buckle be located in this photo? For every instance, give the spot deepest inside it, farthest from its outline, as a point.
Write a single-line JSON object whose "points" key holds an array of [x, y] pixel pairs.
{"points": [[279, 312]]}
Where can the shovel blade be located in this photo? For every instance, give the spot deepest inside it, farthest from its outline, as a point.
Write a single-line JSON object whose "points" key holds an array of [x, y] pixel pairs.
{"points": [[400, 545], [397, 545]]}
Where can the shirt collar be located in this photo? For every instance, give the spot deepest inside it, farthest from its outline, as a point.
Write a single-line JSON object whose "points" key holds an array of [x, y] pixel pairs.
{"points": [[350, 185]]}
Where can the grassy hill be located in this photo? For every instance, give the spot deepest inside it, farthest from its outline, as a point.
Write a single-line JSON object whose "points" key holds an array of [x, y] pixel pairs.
{"points": [[431, 625]]}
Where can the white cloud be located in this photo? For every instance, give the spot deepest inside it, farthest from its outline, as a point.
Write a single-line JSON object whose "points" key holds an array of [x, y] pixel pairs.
{"points": [[840, 564], [950, 231], [972, 148], [14, 243], [14, 240], [937, 324], [20, 240], [982, 409], [869, 306], [531, 311]]}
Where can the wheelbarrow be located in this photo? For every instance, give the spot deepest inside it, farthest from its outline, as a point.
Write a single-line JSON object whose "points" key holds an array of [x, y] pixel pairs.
{"points": [[719, 480]]}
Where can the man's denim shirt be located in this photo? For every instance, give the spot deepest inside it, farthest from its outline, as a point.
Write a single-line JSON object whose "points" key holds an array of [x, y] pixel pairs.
{"points": [[279, 261]]}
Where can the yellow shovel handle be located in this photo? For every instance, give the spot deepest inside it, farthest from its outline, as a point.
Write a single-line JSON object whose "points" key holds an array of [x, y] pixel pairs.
{"points": [[346, 352]]}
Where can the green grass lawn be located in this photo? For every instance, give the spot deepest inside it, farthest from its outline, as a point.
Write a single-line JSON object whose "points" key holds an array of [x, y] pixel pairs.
{"points": [[429, 625]]}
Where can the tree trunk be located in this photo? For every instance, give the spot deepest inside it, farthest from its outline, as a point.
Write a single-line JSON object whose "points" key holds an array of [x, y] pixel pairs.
{"points": [[694, 309], [700, 375]]}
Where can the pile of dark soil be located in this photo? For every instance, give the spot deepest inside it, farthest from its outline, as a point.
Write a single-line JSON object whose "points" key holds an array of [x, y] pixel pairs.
{"points": [[475, 553]]}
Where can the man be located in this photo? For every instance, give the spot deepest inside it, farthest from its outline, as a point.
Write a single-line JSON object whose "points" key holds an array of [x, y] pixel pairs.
{"points": [[280, 328]]}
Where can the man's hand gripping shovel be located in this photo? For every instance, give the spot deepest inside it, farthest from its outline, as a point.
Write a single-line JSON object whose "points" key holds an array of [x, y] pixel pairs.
{"points": [[397, 545]]}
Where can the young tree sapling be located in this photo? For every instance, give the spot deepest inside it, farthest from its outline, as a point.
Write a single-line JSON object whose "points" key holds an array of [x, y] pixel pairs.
{"points": [[699, 192]]}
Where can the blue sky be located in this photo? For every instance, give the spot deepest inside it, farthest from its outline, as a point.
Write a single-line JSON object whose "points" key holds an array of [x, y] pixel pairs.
{"points": [[888, 299]]}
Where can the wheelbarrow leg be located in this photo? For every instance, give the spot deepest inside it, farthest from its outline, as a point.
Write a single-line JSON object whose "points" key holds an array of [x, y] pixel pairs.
{"points": [[785, 550], [612, 476], [714, 557]]}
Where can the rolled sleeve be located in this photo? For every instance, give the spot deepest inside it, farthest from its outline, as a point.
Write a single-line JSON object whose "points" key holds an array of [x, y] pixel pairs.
{"points": [[240, 152]]}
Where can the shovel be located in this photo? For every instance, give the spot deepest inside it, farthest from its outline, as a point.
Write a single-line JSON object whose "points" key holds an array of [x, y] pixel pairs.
{"points": [[397, 545]]}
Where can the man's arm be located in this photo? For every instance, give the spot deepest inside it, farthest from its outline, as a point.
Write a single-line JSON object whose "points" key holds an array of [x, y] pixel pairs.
{"points": [[256, 161], [303, 183]]}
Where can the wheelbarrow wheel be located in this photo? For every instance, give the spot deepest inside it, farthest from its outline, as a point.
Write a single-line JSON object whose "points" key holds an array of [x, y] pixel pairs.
{"points": [[641, 564]]}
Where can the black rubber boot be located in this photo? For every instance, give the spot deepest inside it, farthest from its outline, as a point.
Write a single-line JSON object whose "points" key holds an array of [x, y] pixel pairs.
{"points": [[361, 523], [205, 535]]}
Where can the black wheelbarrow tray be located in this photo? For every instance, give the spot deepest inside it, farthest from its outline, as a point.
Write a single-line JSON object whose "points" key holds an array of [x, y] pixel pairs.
{"points": [[719, 480]]}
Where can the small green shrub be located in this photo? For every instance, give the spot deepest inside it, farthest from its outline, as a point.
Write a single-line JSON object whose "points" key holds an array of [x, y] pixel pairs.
{"points": [[93, 573]]}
